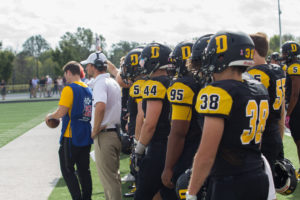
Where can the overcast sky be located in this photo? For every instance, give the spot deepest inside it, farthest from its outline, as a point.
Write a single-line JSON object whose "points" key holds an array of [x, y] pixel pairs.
{"points": [[169, 21]]}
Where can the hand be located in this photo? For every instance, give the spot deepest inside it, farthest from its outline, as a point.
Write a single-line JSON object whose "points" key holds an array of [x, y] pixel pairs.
{"points": [[190, 197], [287, 121], [47, 117], [166, 178], [136, 161]]}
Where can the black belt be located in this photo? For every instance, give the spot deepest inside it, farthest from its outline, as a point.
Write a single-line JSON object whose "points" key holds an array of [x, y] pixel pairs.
{"points": [[108, 130]]}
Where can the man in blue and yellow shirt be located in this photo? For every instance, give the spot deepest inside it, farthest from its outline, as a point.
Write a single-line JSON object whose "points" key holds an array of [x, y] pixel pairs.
{"points": [[75, 108]]}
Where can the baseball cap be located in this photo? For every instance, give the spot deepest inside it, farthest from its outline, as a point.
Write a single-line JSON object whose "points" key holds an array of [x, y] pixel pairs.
{"points": [[92, 57]]}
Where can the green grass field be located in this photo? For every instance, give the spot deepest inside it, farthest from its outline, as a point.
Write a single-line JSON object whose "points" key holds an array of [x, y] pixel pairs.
{"points": [[17, 118]]}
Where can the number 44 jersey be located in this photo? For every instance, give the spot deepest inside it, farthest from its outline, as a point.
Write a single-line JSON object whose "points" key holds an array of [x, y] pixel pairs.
{"points": [[245, 109]]}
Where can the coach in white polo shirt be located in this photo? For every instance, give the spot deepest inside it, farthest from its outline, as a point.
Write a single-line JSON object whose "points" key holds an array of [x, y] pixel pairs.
{"points": [[105, 115]]}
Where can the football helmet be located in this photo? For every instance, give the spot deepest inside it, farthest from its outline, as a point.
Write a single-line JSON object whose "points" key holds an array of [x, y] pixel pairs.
{"points": [[226, 49], [198, 50], [126, 142], [183, 183], [275, 56], [290, 50], [285, 177], [131, 68], [179, 56], [153, 57]]}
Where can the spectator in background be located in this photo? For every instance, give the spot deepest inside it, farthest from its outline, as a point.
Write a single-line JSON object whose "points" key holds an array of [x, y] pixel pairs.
{"points": [[34, 87], [55, 89], [42, 88], [60, 84], [3, 89], [30, 88], [49, 85]]}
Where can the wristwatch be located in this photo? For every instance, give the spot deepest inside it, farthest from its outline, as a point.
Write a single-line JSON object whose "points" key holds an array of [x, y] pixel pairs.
{"points": [[190, 197]]}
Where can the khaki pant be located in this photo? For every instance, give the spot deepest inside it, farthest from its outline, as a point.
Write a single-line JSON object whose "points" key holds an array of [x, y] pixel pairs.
{"points": [[107, 153]]}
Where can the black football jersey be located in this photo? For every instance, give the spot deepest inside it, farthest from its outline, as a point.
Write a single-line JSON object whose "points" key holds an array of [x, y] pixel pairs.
{"points": [[292, 70], [156, 89], [273, 78], [245, 109], [183, 92], [135, 95]]}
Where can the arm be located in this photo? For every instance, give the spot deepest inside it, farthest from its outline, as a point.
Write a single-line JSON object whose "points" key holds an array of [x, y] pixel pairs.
{"points": [[139, 121], [282, 119], [152, 115], [59, 113], [176, 139], [206, 154], [99, 115], [112, 69], [294, 95]]}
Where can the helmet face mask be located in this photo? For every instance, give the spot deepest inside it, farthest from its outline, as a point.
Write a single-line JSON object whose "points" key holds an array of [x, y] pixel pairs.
{"points": [[227, 49], [153, 57]]}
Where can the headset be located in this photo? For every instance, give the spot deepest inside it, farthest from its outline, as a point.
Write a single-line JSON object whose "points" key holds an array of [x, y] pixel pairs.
{"points": [[99, 64]]}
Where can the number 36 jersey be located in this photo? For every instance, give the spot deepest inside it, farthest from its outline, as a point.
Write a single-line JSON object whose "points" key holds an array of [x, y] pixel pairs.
{"points": [[245, 109]]}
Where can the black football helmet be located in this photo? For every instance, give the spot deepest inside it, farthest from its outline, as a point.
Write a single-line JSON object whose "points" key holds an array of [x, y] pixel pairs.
{"points": [[275, 56], [183, 183], [289, 51], [198, 51], [126, 142], [179, 56], [153, 57], [285, 177], [131, 67], [226, 49]]}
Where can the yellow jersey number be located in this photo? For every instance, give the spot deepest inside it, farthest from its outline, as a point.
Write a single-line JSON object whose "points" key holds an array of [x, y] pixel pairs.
{"points": [[258, 117], [280, 93]]}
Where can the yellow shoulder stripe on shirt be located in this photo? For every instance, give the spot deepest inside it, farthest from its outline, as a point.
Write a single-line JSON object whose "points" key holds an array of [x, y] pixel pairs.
{"points": [[180, 93], [180, 112], [260, 76], [214, 100], [294, 69], [135, 89], [284, 68], [153, 89]]}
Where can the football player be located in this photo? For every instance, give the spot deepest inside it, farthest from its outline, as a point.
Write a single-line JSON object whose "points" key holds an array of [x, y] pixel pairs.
{"points": [[154, 59], [184, 136], [275, 58], [273, 78], [236, 112], [289, 51]]}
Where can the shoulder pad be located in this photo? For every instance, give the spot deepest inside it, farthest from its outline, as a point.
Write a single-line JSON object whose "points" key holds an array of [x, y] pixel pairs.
{"points": [[153, 90], [294, 69], [179, 93]]}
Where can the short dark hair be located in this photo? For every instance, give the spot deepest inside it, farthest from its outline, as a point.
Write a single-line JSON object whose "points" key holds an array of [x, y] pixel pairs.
{"points": [[73, 67], [261, 43]]}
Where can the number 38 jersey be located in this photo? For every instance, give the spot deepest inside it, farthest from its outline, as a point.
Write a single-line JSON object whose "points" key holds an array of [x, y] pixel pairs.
{"points": [[135, 96], [245, 109], [273, 78], [182, 94], [155, 89]]}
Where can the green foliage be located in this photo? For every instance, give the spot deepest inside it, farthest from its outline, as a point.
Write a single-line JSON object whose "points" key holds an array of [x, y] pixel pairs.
{"points": [[6, 64], [35, 45], [74, 46], [121, 49]]}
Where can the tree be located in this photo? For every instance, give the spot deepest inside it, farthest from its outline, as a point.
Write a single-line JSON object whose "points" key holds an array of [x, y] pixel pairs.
{"points": [[120, 49], [74, 46], [35, 45], [6, 64]]}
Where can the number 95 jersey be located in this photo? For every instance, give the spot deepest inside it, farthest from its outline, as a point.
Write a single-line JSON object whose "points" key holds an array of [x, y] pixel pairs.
{"points": [[245, 109]]}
